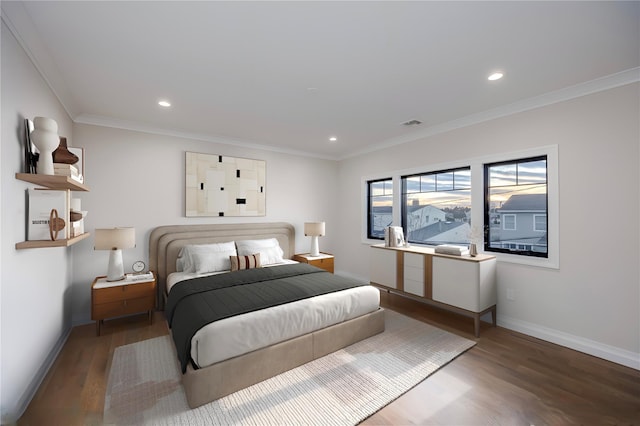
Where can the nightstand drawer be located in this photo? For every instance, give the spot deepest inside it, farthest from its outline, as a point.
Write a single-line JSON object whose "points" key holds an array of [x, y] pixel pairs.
{"points": [[326, 264], [121, 298], [324, 260], [122, 307], [130, 291]]}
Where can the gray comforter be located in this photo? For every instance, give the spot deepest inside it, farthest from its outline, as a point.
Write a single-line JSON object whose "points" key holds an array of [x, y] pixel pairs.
{"points": [[199, 301]]}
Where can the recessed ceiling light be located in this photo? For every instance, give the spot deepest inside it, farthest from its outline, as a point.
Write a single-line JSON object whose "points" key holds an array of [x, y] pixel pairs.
{"points": [[495, 76], [165, 104], [333, 139]]}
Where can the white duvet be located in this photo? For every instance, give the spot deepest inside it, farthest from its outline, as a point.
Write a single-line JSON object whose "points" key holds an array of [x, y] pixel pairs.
{"points": [[244, 333]]}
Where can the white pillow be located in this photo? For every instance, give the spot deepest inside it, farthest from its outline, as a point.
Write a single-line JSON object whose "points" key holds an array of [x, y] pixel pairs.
{"points": [[202, 258], [269, 249]]}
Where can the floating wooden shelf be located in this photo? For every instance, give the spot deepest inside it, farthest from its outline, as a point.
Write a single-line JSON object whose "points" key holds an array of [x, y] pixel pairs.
{"points": [[46, 243], [53, 181]]}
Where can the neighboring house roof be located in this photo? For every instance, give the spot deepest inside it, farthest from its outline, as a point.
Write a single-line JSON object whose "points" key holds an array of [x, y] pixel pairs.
{"points": [[412, 208], [525, 202], [430, 231]]}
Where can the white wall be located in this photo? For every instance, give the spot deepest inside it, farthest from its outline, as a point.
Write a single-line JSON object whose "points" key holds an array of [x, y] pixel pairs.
{"points": [[137, 179], [592, 303], [35, 283]]}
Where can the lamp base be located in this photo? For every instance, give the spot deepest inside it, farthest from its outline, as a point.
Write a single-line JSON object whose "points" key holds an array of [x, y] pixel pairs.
{"points": [[315, 251], [116, 268]]}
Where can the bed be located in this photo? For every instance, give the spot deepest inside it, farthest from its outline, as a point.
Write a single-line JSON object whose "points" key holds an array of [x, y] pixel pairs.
{"points": [[223, 360]]}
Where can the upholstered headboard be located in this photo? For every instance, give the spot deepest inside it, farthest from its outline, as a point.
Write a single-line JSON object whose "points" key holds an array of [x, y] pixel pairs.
{"points": [[166, 241]]}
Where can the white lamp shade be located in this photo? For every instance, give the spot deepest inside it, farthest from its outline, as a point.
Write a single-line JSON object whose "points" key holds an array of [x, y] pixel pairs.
{"points": [[314, 229], [115, 238]]}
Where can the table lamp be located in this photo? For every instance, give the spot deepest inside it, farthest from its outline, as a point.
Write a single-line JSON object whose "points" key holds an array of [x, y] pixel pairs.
{"points": [[115, 239], [314, 230]]}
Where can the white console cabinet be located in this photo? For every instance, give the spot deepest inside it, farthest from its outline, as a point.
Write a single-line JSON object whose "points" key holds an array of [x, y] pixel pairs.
{"points": [[463, 284]]}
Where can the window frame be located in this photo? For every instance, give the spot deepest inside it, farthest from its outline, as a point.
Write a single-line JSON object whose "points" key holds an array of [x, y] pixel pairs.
{"points": [[552, 261], [404, 192], [517, 250], [368, 201], [504, 222], [535, 228]]}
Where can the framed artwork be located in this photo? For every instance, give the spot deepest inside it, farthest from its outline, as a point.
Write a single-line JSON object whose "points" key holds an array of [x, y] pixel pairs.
{"points": [[219, 185], [79, 152], [30, 150]]}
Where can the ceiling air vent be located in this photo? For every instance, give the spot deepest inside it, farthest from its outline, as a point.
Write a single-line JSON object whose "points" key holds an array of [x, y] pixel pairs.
{"points": [[412, 123]]}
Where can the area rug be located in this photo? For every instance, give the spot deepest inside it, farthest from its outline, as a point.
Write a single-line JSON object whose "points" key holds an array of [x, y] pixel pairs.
{"points": [[342, 388]]}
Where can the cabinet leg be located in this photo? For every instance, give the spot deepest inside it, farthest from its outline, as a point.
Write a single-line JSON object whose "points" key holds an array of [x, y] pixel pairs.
{"points": [[494, 316], [476, 324], [98, 323]]}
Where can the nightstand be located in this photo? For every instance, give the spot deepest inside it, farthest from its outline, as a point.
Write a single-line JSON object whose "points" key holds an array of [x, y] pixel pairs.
{"points": [[324, 260], [124, 297]]}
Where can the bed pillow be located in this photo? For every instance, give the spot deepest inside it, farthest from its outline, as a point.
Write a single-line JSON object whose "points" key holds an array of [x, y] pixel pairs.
{"points": [[203, 258], [245, 262], [269, 249]]}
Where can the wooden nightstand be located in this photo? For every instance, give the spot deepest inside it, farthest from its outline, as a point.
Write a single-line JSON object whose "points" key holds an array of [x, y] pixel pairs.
{"points": [[117, 298], [324, 260]]}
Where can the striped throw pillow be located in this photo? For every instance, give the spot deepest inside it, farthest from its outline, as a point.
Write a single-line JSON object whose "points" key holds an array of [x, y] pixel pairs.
{"points": [[245, 262]]}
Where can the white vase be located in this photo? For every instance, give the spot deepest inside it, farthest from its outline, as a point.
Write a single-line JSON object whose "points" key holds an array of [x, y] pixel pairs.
{"points": [[45, 137]]}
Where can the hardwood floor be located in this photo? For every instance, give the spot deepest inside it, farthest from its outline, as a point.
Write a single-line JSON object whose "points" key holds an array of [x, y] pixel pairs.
{"points": [[506, 379]]}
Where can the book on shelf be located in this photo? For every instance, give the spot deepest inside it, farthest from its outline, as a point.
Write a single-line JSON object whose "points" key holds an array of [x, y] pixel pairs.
{"points": [[140, 277], [68, 173], [39, 206], [78, 178], [65, 167]]}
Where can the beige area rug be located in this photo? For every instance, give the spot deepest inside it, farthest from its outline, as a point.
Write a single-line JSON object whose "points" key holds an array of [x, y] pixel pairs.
{"points": [[342, 388]]}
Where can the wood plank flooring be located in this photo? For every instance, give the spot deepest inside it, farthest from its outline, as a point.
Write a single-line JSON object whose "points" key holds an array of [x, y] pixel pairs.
{"points": [[506, 379]]}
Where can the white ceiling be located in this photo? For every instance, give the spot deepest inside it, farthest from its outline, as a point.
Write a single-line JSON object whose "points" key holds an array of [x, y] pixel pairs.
{"points": [[288, 75]]}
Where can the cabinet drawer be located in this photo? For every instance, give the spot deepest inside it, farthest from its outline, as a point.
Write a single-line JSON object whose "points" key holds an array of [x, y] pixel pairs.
{"points": [[414, 287], [130, 291], [415, 274], [122, 307], [414, 260]]}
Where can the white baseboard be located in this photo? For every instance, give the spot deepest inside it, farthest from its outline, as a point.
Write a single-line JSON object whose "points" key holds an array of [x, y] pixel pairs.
{"points": [[581, 344], [17, 412]]}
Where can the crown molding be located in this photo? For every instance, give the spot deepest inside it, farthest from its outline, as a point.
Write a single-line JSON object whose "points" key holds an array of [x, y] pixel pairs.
{"points": [[97, 120], [15, 16], [19, 23], [583, 89]]}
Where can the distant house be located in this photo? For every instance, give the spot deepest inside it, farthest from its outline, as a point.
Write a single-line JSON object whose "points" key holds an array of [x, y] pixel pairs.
{"points": [[523, 223], [423, 216]]}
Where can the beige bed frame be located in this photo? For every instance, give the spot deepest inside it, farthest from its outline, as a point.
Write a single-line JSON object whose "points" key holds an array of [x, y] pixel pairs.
{"points": [[223, 378]]}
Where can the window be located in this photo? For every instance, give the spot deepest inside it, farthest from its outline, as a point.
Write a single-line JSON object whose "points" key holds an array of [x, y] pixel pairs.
{"points": [[436, 206], [509, 222], [472, 192], [540, 223], [516, 197], [379, 207]]}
